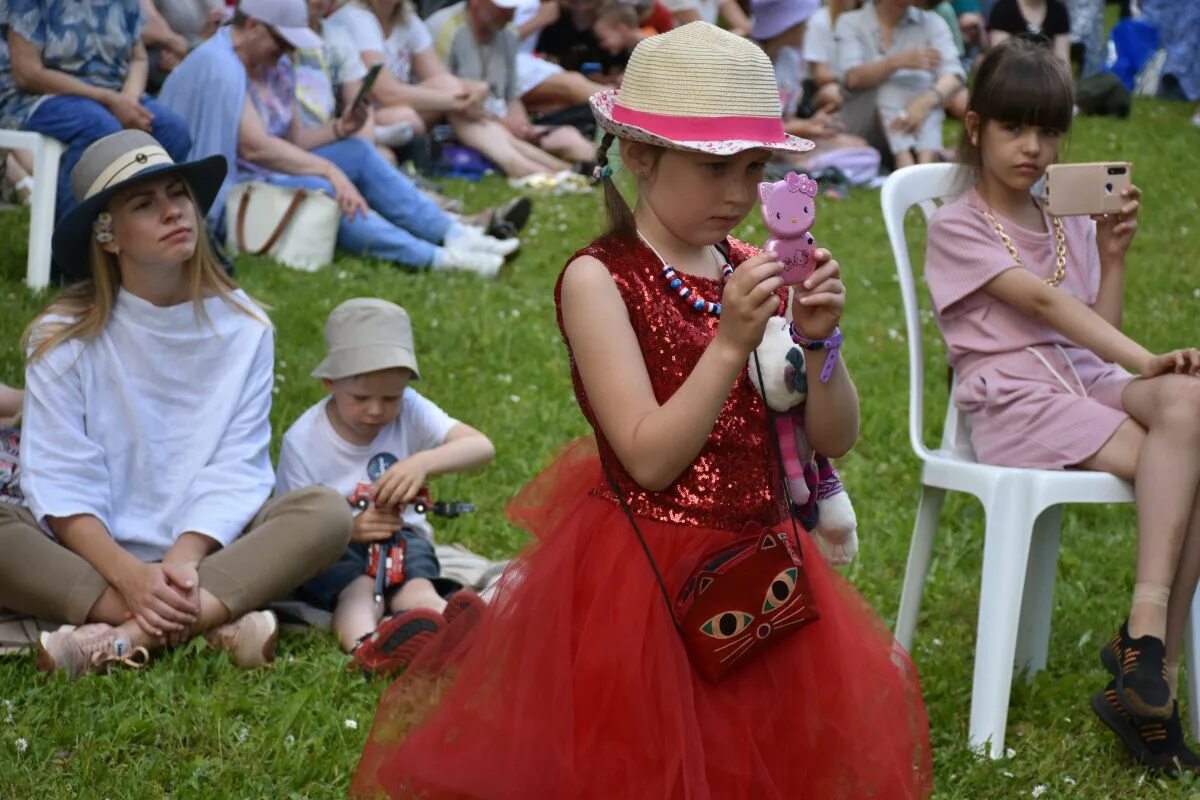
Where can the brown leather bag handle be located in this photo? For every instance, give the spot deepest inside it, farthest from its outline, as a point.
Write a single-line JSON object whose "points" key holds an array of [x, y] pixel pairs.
{"points": [[297, 199]]}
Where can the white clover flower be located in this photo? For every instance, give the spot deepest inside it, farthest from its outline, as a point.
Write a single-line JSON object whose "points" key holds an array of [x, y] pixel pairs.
{"points": [[1006, 774], [1068, 780], [352, 724], [22, 745], [1010, 753], [1038, 790], [289, 740], [514, 398], [243, 734]]}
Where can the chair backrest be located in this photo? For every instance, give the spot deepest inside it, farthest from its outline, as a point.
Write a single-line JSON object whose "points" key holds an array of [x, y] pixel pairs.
{"points": [[919, 185]]}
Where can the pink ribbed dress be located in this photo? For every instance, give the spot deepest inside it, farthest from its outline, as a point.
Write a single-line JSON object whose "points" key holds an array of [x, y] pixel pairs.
{"points": [[1034, 398]]}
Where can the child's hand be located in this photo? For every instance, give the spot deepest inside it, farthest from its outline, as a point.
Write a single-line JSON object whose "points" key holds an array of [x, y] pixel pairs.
{"points": [[400, 484], [1177, 362], [818, 303], [1114, 232], [374, 525], [748, 301]]}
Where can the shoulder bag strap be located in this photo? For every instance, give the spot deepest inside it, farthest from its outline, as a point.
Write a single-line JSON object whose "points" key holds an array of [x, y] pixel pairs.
{"points": [[297, 199], [662, 585]]}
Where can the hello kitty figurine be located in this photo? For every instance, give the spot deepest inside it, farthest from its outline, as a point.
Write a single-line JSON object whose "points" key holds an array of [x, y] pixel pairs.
{"points": [[789, 208]]}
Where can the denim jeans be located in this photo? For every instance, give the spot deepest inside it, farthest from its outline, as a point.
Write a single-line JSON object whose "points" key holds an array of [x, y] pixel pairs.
{"points": [[77, 122], [403, 226]]}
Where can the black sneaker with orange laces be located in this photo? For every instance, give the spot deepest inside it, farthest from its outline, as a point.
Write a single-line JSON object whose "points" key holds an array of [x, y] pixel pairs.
{"points": [[1157, 744], [1140, 671]]}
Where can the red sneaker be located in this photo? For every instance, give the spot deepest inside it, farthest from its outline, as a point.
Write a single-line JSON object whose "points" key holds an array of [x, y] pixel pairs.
{"points": [[393, 645], [466, 604]]}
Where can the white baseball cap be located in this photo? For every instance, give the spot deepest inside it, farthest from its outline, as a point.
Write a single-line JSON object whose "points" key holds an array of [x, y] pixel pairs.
{"points": [[289, 18]]}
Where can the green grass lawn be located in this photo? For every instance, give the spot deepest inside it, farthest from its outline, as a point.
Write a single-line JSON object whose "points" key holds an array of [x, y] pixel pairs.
{"points": [[193, 726]]}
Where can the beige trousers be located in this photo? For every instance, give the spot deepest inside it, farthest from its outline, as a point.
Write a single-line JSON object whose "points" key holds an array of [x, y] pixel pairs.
{"points": [[291, 539]]}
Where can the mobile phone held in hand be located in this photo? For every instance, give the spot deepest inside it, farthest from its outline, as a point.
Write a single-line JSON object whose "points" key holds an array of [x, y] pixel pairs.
{"points": [[789, 208], [1076, 190], [364, 91]]}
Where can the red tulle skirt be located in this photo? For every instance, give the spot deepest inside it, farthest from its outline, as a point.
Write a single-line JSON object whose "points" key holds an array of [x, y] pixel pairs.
{"points": [[577, 685]]}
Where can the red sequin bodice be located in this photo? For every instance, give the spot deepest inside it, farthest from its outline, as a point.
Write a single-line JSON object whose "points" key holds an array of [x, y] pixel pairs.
{"points": [[735, 478]]}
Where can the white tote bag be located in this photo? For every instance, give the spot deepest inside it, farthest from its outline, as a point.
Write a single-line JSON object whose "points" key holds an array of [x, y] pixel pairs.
{"points": [[296, 227]]}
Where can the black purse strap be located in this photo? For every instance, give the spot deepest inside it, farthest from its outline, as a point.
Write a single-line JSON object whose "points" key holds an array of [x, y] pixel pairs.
{"points": [[787, 493]]}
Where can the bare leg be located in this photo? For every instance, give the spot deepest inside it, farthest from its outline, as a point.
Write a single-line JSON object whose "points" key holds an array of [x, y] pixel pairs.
{"points": [[1161, 454], [563, 89], [540, 156], [355, 614], [213, 613], [417, 593], [1182, 589], [568, 143], [391, 115], [494, 141], [903, 159], [926, 157]]}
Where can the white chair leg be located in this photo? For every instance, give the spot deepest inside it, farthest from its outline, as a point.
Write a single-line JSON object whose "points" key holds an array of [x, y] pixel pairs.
{"points": [[1191, 637], [41, 217], [1037, 603], [918, 564], [1006, 543]]}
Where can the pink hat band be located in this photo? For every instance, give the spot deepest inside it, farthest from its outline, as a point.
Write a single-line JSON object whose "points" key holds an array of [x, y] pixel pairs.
{"points": [[695, 129]]}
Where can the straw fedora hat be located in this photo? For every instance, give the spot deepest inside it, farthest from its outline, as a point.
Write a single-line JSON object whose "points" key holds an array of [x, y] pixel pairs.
{"points": [[698, 88]]}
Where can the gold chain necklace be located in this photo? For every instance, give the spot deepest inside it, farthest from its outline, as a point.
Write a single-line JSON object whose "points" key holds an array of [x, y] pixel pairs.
{"points": [[1060, 247]]}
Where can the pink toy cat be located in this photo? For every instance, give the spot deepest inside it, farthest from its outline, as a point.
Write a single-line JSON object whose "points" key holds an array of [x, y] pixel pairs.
{"points": [[789, 207]]}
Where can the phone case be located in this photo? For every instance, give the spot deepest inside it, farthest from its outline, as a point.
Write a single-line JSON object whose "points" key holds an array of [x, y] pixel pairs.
{"points": [[1085, 189]]}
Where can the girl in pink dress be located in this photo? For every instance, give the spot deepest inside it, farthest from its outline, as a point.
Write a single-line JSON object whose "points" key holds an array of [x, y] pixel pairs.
{"points": [[1030, 307]]}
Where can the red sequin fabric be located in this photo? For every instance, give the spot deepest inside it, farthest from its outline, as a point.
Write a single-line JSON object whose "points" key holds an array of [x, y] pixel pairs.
{"points": [[735, 478]]}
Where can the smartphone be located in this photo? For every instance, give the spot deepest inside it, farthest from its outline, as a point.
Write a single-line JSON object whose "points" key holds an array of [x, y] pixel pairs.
{"points": [[364, 91], [1074, 190]]}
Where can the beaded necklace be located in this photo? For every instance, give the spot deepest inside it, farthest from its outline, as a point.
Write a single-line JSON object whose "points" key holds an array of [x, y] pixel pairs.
{"points": [[675, 284]]}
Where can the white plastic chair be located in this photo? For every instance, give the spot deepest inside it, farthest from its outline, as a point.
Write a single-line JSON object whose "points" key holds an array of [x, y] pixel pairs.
{"points": [[46, 155], [1022, 507]]}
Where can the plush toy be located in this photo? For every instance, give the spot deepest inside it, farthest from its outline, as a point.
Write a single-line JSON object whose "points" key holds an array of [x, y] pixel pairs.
{"points": [[789, 208], [785, 388]]}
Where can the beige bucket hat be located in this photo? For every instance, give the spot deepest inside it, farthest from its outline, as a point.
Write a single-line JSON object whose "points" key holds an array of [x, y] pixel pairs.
{"points": [[366, 335], [698, 88]]}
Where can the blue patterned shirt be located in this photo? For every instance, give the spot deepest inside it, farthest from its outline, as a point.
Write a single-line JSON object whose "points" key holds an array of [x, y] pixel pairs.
{"points": [[90, 40]]}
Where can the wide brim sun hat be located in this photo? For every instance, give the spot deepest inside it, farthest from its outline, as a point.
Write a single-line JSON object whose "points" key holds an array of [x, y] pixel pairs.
{"points": [[772, 17], [698, 88], [114, 162]]}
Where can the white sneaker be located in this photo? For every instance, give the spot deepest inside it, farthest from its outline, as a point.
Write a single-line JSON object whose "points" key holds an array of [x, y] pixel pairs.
{"points": [[477, 261], [473, 238]]}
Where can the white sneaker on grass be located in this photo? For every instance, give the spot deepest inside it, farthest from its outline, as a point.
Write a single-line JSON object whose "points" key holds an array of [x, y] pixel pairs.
{"points": [[469, 237], [477, 261]]}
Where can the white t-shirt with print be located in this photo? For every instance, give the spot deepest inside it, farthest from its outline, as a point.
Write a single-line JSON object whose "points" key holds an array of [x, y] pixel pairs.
{"points": [[409, 37], [314, 454]]}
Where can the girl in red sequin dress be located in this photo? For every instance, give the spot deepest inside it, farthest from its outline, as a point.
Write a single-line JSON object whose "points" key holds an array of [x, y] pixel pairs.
{"points": [[576, 684]]}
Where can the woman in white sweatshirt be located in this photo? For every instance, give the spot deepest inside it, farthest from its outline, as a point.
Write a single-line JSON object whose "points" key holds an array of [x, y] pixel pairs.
{"points": [[144, 452]]}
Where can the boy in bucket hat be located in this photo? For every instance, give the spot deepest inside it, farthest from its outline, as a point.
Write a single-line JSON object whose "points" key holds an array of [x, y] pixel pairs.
{"points": [[374, 430]]}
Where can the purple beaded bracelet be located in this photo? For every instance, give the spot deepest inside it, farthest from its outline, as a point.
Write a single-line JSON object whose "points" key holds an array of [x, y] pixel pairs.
{"points": [[833, 344]]}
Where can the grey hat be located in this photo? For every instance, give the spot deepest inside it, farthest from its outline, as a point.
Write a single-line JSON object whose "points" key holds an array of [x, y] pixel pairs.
{"points": [[113, 162], [364, 335]]}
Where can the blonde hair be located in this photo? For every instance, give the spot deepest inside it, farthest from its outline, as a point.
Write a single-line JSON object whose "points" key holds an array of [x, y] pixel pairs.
{"points": [[88, 305]]}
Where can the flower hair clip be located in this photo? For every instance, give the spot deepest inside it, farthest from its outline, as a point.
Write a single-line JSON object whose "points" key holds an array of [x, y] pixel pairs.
{"points": [[600, 173], [102, 228]]}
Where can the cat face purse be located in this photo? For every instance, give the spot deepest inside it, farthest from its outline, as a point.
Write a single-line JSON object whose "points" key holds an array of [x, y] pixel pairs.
{"points": [[740, 598]]}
